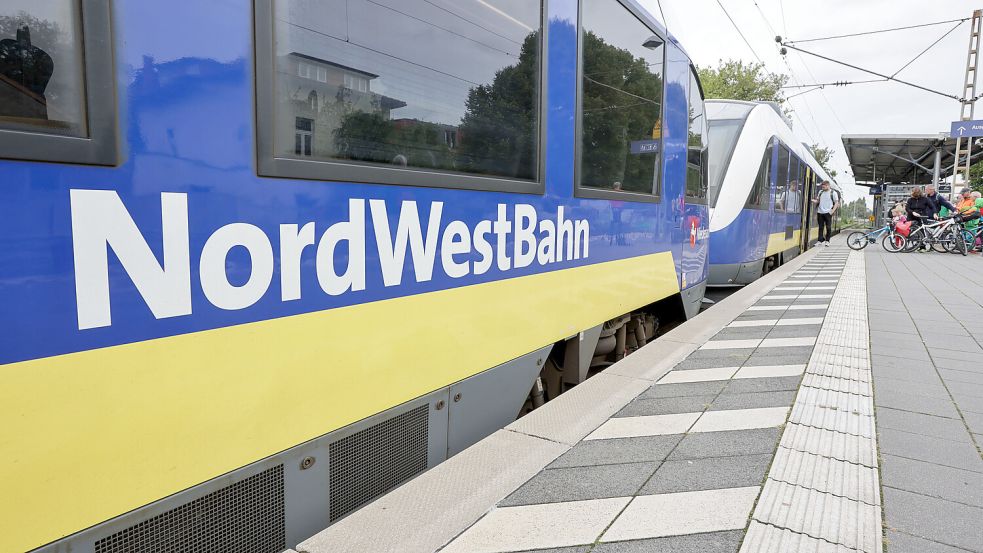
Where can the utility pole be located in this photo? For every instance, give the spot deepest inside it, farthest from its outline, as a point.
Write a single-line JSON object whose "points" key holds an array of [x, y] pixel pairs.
{"points": [[968, 99]]}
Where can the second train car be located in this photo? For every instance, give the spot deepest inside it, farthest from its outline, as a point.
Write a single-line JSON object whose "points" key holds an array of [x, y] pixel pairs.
{"points": [[261, 261], [762, 179]]}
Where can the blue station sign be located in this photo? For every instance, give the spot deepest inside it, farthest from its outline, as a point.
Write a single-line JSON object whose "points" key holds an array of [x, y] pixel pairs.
{"points": [[965, 129]]}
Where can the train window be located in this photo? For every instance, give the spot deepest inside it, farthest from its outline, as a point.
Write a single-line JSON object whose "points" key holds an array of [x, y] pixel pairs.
{"points": [[781, 178], [621, 97], [793, 194], [57, 92], [419, 92], [758, 197], [723, 135], [696, 150]]}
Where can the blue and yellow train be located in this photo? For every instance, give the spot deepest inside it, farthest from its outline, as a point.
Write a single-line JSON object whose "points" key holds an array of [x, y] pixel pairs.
{"points": [[762, 178], [261, 261]]}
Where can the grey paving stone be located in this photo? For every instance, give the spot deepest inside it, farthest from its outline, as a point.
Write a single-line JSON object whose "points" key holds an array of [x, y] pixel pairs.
{"points": [[579, 483], [962, 363], [685, 389], [777, 384], [934, 519], [712, 363], [713, 542], [796, 331], [959, 343], [665, 406], [961, 486], [708, 474], [955, 376], [917, 375], [753, 400], [905, 350], [968, 403], [720, 354], [891, 361], [974, 421], [935, 389], [758, 315], [941, 407], [959, 355], [617, 451], [804, 313], [779, 356], [699, 445], [899, 542], [928, 448], [742, 333], [920, 423]]}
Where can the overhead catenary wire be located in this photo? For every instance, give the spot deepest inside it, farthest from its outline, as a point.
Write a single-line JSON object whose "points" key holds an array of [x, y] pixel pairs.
{"points": [[834, 83], [930, 46], [865, 33], [738, 29], [887, 77]]}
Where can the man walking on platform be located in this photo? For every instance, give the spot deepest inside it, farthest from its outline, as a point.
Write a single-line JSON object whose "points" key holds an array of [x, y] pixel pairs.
{"points": [[827, 201]]}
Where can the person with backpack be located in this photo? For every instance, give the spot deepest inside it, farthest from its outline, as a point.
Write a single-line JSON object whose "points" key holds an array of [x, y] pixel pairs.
{"points": [[938, 201], [827, 202]]}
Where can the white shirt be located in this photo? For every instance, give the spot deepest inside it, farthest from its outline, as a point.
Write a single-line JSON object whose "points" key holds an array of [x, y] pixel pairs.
{"points": [[825, 201]]}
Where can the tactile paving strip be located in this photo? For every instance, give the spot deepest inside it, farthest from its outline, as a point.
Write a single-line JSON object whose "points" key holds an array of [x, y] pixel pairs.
{"points": [[822, 493]]}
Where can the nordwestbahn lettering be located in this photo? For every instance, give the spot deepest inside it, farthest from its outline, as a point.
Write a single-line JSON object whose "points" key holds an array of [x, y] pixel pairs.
{"points": [[516, 238]]}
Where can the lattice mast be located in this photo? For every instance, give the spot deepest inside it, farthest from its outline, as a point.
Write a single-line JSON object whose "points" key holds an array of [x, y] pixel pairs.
{"points": [[964, 147]]}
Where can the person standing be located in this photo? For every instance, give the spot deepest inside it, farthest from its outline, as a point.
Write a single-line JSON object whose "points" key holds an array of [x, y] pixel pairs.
{"points": [[938, 201], [827, 202]]}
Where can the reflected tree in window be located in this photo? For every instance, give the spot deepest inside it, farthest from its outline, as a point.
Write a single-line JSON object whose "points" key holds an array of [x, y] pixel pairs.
{"points": [[622, 105], [498, 131]]}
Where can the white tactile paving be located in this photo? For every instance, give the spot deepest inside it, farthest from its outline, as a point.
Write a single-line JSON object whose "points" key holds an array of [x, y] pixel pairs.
{"points": [[829, 418], [765, 538], [648, 425], [741, 419], [807, 470], [835, 445], [673, 514], [853, 524], [786, 342], [822, 491], [769, 371], [729, 344], [542, 526], [698, 375]]}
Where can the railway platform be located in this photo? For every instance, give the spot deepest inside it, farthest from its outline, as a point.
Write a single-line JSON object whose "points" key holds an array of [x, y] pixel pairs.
{"points": [[834, 405]]}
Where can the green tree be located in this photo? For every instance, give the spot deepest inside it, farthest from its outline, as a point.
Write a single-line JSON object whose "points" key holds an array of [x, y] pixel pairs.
{"points": [[823, 156], [736, 80], [976, 176]]}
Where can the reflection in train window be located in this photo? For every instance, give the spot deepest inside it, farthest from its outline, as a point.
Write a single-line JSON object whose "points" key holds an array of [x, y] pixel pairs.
{"points": [[41, 73], [427, 84], [621, 100], [758, 197]]}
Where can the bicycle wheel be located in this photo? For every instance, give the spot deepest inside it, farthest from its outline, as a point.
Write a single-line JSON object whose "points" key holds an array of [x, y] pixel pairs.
{"points": [[960, 243], [914, 240], [857, 240], [944, 243], [894, 242]]}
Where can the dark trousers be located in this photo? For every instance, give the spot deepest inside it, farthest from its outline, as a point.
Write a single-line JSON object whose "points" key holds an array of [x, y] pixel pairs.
{"points": [[825, 219]]}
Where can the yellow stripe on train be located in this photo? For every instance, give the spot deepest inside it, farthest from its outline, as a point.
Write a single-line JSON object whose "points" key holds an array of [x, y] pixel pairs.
{"points": [[91, 435], [777, 242]]}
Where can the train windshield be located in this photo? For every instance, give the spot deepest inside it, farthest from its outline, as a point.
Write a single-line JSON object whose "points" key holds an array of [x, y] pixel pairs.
{"points": [[723, 137]]}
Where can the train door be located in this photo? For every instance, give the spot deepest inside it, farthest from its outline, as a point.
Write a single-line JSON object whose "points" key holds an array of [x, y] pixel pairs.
{"points": [[696, 234], [808, 189]]}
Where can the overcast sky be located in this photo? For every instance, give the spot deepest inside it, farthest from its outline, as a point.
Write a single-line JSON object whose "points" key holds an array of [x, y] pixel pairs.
{"points": [[823, 116]]}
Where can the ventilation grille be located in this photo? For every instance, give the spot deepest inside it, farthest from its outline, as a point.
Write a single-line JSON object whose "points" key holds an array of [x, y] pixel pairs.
{"points": [[245, 517], [373, 461]]}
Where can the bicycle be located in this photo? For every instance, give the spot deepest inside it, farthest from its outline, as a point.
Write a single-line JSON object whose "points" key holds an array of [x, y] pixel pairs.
{"points": [[942, 235], [891, 240]]}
